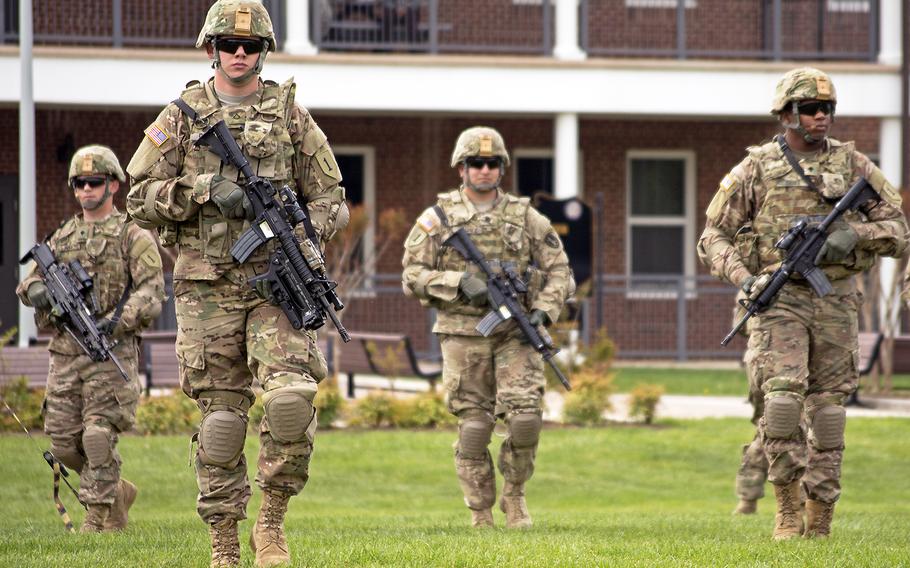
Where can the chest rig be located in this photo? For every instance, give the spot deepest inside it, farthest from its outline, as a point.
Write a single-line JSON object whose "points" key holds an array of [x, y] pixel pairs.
{"points": [[785, 195], [261, 131]]}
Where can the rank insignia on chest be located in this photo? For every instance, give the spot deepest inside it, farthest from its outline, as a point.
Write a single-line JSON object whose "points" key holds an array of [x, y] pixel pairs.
{"points": [[156, 135], [427, 222]]}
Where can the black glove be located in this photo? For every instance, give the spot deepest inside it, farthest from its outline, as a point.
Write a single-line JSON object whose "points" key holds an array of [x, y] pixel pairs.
{"points": [[106, 326], [474, 289], [539, 317], [38, 296], [230, 199]]}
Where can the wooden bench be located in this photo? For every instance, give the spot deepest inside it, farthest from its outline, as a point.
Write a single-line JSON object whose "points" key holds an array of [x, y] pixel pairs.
{"points": [[29, 362], [870, 344], [390, 355]]}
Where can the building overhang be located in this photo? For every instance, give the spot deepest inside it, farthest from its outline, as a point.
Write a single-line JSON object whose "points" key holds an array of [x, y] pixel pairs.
{"points": [[377, 83]]}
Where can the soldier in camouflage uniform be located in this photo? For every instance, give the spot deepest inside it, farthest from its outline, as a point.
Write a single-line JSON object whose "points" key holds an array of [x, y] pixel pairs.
{"points": [[803, 350], [500, 376], [228, 333], [88, 404]]}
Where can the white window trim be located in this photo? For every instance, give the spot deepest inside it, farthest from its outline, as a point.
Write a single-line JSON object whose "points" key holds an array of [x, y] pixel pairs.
{"points": [[849, 6], [369, 203], [687, 221], [690, 4], [518, 153]]}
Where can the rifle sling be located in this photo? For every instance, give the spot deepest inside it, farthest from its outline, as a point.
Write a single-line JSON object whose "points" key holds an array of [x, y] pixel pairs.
{"points": [[118, 309], [187, 109], [442, 216], [794, 163]]}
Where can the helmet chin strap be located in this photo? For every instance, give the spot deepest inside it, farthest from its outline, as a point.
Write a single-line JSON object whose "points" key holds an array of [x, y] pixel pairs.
{"points": [[485, 187], [797, 126], [245, 78], [104, 197]]}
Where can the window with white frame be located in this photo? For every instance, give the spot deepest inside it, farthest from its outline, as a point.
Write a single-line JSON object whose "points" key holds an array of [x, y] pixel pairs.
{"points": [[661, 222], [357, 165]]}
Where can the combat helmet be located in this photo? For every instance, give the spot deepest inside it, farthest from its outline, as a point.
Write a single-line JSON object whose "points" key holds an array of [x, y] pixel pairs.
{"points": [[237, 18], [802, 84], [479, 141], [94, 160]]}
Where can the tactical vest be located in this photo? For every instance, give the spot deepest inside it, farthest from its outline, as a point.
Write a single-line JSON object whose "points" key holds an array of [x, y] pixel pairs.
{"points": [[261, 131], [787, 198], [499, 234]]}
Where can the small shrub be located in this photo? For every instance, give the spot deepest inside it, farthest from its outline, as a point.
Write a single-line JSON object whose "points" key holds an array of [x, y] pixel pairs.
{"points": [[329, 403], [175, 413], [588, 399], [374, 410], [427, 410], [643, 401], [24, 402]]}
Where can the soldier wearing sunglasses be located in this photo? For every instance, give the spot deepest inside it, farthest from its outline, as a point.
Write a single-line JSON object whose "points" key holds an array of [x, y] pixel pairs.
{"points": [[88, 404], [229, 333], [499, 377], [802, 351]]}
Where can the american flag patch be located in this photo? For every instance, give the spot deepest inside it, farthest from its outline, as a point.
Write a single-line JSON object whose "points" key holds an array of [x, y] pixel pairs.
{"points": [[156, 135], [428, 222]]}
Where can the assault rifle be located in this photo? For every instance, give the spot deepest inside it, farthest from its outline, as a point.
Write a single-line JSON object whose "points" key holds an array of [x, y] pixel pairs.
{"points": [[503, 289], [296, 281], [802, 242], [68, 287]]}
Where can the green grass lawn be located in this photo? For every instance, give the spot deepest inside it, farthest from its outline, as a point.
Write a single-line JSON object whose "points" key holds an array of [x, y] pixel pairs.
{"points": [[619, 496]]}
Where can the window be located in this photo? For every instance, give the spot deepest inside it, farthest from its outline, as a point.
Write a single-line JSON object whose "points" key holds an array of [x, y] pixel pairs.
{"points": [[357, 165], [661, 223], [533, 171], [849, 6]]}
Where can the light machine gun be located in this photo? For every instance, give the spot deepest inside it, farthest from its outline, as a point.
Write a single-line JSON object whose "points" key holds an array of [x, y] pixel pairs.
{"points": [[802, 243], [503, 295], [296, 282], [68, 288]]}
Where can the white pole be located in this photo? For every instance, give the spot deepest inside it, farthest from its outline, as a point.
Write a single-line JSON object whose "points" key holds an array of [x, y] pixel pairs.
{"points": [[27, 217], [890, 160], [889, 21], [567, 31], [297, 24], [566, 162]]}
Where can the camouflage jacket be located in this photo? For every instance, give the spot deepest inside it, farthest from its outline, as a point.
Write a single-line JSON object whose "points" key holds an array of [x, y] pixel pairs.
{"points": [[763, 196], [512, 231], [112, 251], [172, 177]]}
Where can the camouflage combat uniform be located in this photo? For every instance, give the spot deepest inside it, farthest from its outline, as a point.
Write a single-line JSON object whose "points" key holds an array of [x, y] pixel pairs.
{"points": [[804, 347], [88, 404], [499, 376]]}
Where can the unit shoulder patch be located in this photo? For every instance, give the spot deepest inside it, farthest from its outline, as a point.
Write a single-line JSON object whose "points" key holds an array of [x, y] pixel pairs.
{"points": [[552, 240]]}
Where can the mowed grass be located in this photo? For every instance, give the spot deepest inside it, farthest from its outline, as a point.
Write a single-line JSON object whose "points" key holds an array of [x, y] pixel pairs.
{"points": [[616, 496], [713, 382]]}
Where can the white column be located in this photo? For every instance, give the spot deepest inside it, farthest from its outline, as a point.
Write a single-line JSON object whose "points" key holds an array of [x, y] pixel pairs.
{"points": [[567, 31], [27, 216], [890, 159], [890, 32], [297, 24], [565, 157]]}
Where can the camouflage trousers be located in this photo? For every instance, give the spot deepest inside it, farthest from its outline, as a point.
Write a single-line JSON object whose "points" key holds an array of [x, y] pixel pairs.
{"points": [[805, 348], [90, 402], [489, 378], [226, 336]]}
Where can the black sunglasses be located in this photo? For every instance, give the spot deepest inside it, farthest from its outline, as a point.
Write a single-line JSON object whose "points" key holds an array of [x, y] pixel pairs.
{"points": [[479, 163], [230, 45], [93, 181], [811, 108]]}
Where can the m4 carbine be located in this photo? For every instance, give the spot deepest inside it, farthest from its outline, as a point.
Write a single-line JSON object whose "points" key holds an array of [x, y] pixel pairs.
{"points": [[296, 280], [504, 289], [802, 244], [68, 287]]}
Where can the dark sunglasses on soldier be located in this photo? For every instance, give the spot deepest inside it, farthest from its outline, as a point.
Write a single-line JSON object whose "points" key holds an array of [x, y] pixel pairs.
{"points": [[230, 45], [811, 108], [479, 163], [92, 181]]}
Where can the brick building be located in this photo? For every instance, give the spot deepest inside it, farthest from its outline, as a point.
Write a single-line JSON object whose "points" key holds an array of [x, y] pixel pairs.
{"points": [[647, 102]]}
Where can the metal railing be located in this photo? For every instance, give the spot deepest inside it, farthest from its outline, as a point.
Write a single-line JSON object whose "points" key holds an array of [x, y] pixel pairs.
{"points": [[433, 26], [118, 23], [732, 29]]}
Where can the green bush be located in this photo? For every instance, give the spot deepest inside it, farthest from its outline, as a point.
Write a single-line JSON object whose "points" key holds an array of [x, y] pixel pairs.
{"points": [[374, 410], [24, 402], [329, 403], [175, 413], [427, 410], [643, 401], [589, 398]]}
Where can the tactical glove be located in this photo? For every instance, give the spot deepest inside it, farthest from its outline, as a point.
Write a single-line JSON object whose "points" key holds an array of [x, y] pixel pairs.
{"points": [[474, 289], [230, 199], [539, 317], [754, 285], [106, 326], [838, 245], [38, 296]]}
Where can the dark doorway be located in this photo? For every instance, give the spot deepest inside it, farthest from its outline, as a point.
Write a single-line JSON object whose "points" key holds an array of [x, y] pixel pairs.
{"points": [[9, 252]]}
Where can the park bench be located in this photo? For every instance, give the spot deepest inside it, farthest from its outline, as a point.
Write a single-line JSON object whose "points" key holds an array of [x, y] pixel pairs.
{"points": [[29, 362], [389, 355], [870, 344]]}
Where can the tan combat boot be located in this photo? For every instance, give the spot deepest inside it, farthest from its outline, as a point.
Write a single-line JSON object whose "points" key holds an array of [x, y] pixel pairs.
{"points": [[789, 520], [514, 506], [746, 507], [94, 518], [126, 494], [818, 517], [267, 538], [481, 518], [225, 544]]}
